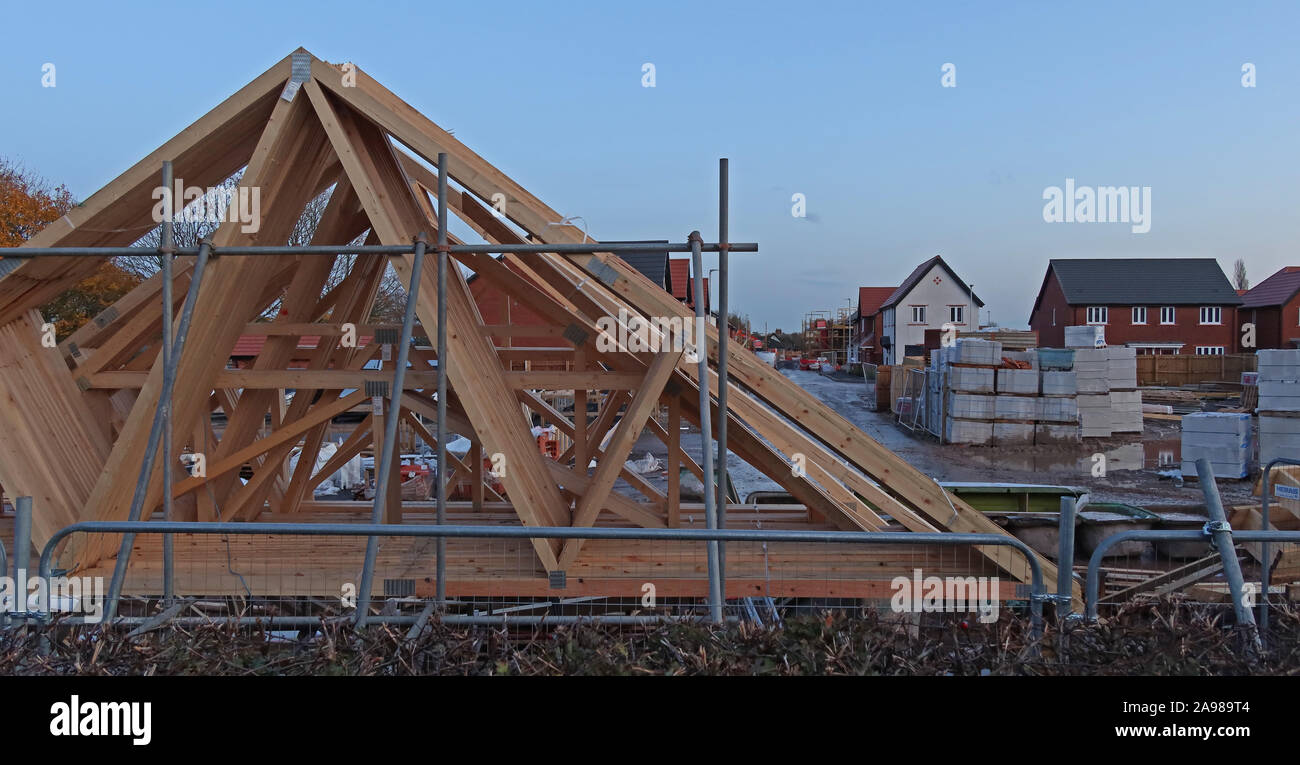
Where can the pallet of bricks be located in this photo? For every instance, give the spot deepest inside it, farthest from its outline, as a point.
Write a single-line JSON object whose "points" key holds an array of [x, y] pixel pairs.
{"points": [[1279, 405]]}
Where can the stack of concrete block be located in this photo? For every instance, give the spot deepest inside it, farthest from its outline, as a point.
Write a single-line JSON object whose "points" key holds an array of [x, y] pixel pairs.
{"points": [[1121, 367], [1056, 412], [1223, 438], [1279, 436], [970, 406], [1015, 408], [974, 351], [1055, 383], [957, 431], [1279, 405], [1014, 417], [1092, 371], [1056, 409], [1013, 433], [1125, 400], [1086, 336], [1279, 380], [1021, 381], [1094, 415], [1125, 411], [971, 379]]}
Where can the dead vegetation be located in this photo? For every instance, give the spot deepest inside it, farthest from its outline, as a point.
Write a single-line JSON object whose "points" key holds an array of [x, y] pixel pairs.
{"points": [[1167, 638]]}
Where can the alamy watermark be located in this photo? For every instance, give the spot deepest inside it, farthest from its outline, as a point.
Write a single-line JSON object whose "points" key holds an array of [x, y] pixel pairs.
{"points": [[194, 204], [1100, 204], [82, 595], [656, 334], [933, 594]]}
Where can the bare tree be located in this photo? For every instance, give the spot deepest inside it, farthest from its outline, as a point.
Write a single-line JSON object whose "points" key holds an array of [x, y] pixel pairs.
{"points": [[189, 231], [1239, 279]]}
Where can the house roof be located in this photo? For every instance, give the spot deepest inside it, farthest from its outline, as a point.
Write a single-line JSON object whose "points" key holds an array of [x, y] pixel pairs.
{"points": [[871, 298], [652, 263], [1277, 289], [679, 278], [918, 274], [1142, 281]]}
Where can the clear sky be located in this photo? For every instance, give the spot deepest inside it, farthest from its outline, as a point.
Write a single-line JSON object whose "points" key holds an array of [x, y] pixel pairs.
{"points": [[841, 102]]}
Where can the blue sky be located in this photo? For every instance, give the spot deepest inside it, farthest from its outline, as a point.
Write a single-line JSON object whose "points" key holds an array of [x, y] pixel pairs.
{"points": [[841, 102]]}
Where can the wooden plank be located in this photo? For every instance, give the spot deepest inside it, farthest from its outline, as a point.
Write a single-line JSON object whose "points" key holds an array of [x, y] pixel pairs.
{"points": [[477, 376], [625, 435], [225, 303], [203, 154]]}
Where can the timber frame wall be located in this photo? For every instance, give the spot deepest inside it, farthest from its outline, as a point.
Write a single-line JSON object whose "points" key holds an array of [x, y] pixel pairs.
{"points": [[76, 418]]}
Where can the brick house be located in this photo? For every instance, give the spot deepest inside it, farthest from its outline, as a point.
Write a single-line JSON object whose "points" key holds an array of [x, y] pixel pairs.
{"points": [[1156, 305], [867, 324], [1273, 306]]}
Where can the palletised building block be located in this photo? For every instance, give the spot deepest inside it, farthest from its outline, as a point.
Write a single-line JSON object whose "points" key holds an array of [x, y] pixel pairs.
{"points": [[970, 406], [1013, 433], [970, 380], [1094, 415], [958, 431], [1224, 438], [1053, 410], [1086, 336], [1278, 437], [1279, 395], [1121, 367], [1051, 433], [1017, 381], [1234, 423], [1278, 364], [1020, 408], [1055, 383], [975, 351]]}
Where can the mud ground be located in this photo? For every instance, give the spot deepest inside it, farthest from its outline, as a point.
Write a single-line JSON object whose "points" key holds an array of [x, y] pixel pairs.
{"points": [[1134, 463]]}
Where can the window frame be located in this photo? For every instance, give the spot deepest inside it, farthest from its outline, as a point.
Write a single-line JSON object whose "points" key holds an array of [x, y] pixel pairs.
{"points": [[1133, 316], [1216, 311], [916, 308], [1104, 312], [1173, 315]]}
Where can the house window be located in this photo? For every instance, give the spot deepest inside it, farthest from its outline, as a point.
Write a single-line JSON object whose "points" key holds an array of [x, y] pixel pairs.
{"points": [[1209, 350], [1139, 314], [1167, 314], [1097, 314], [956, 314], [1211, 314], [918, 314]]}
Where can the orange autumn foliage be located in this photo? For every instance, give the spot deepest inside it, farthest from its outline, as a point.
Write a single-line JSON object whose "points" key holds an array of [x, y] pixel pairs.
{"points": [[27, 205]]}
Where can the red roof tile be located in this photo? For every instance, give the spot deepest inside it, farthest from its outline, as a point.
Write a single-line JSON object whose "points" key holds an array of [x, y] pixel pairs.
{"points": [[1277, 289], [870, 298]]}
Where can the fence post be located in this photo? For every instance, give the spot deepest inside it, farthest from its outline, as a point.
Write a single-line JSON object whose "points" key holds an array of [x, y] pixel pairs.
{"points": [[1222, 532], [1065, 561]]}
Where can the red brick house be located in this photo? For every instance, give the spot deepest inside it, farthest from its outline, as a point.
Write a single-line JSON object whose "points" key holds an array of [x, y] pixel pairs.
{"points": [[1273, 306], [867, 326], [1156, 305]]}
